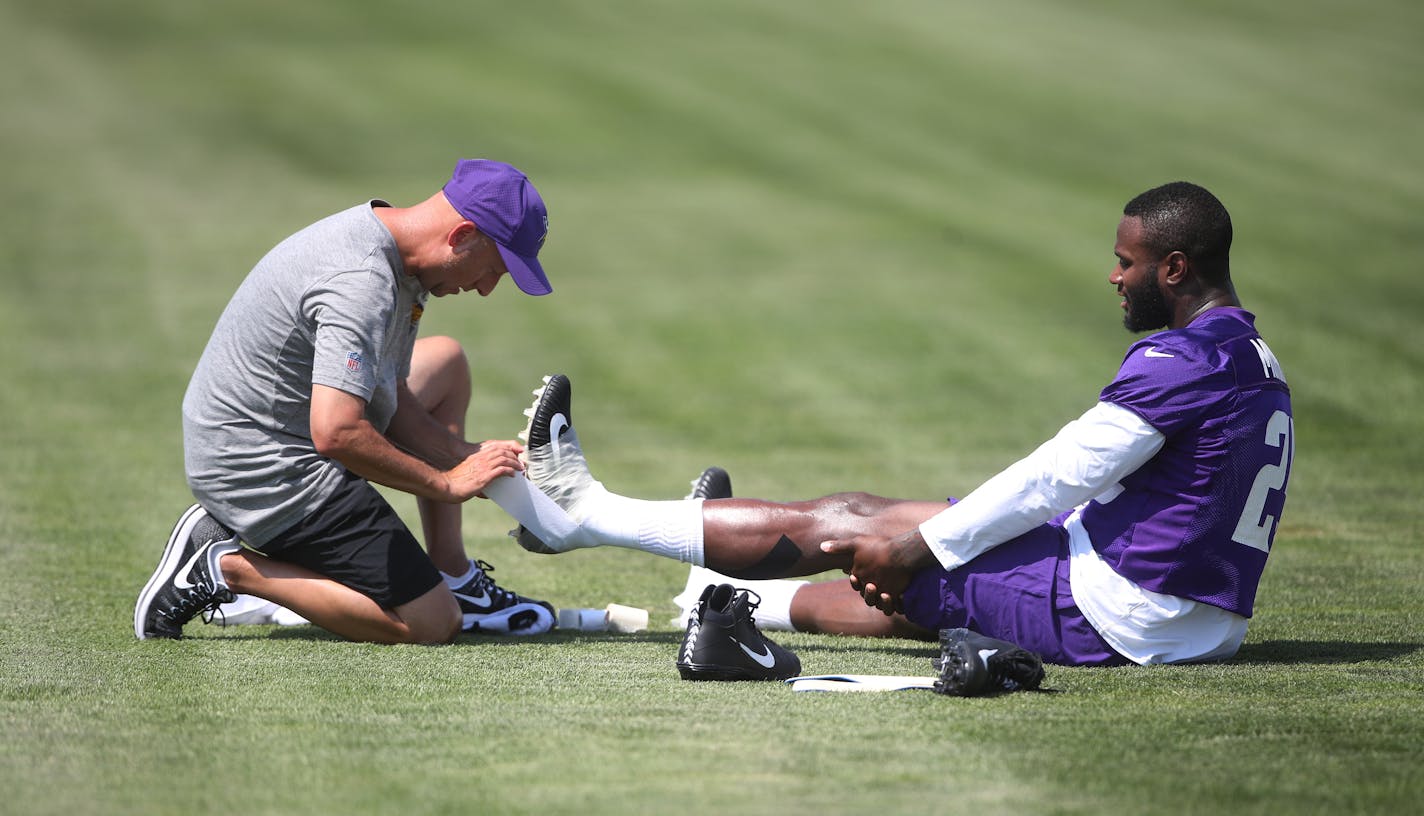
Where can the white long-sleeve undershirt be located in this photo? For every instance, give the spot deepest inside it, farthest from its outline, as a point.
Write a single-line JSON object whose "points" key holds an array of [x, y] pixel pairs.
{"points": [[1082, 461]]}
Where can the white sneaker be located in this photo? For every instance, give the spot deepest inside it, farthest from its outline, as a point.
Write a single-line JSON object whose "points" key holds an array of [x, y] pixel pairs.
{"points": [[488, 608]]}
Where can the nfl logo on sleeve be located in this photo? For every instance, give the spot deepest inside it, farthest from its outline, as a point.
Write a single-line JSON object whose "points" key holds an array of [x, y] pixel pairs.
{"points": [[353, 362]]}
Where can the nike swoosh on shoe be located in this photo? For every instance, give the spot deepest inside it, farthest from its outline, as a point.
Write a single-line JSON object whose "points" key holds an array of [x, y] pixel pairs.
{"points": [[558, 423], [481, 601], [765, 660], [180, 578]]}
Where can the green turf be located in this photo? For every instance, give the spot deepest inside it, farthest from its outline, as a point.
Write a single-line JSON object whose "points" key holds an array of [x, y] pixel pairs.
{"points": [[826, 245]]}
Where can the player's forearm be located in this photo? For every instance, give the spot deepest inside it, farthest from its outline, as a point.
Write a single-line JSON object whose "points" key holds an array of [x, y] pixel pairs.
{"points": [[415, 431], [366, 452], [430, 443]]}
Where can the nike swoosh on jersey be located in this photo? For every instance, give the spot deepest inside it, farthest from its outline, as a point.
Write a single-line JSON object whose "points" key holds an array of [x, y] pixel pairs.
{"points": [[1152, 352], [764, 660], [985, 654]]}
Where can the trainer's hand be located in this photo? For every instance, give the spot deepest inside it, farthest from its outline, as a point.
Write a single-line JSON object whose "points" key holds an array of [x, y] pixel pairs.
{"points": [[881, 567], [489, 461]]}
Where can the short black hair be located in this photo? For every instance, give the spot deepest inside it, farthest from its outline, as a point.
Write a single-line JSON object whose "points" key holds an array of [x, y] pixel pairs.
{"points": [[1184, 217]]}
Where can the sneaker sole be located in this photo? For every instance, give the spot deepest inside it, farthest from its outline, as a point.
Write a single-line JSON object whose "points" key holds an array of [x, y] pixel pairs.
{"points": [[709, 671], [172, 554], [956, 672], [520, 619]]}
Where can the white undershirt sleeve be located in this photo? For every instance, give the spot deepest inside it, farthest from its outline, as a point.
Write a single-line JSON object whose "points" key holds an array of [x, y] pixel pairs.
{"points": [[1084, 460]]}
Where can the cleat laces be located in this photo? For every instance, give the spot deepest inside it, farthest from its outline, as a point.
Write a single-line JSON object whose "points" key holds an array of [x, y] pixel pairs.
{"points": [[752, 599]]}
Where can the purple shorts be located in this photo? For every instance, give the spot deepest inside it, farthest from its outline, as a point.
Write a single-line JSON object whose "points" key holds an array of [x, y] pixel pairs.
{"points": [[1019, 592]]}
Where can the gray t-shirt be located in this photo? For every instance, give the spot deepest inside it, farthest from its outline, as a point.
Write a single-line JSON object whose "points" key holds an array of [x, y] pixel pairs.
{"points": [[329, 305]]}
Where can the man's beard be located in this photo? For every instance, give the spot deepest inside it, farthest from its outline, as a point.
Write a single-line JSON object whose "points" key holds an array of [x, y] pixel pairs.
{"points": [[1146, 307]]}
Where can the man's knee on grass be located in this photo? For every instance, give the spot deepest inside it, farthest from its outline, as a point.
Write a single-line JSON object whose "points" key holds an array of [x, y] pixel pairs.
{"points": [[433, 618]]}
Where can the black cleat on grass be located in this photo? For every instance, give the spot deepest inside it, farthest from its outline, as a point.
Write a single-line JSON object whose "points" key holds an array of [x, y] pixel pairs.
{"points": [[972, 665], [723, 643]]}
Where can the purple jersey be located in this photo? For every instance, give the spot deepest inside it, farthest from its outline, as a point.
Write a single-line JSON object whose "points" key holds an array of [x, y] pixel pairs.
{"points": [[1197, 520]]}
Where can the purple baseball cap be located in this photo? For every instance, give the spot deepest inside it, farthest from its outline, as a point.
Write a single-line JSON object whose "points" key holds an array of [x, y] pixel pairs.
{"points": [[506, 207]]}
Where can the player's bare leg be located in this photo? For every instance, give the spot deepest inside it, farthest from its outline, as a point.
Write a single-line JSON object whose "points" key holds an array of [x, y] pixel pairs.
{"points": [[440, 380], [756, 539], [759, 540], [834, 608], [736, 537], [432, 618]]}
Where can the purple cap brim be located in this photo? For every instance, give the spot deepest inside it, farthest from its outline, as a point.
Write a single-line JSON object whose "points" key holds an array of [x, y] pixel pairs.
{"points": [[527, 273]]}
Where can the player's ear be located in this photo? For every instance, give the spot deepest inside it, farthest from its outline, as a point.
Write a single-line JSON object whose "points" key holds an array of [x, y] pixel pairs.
{"points": [[1177, 265], [462, 235]]}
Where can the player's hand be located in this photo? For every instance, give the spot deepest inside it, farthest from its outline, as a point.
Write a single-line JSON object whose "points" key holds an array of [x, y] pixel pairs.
{"points": [[881, 567], [490, 460]]}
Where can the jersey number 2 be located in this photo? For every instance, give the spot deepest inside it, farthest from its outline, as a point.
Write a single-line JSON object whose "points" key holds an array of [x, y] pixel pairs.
{"points": [[1254, 529]]}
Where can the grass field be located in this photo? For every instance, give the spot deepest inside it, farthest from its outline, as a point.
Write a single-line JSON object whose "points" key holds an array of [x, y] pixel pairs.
{"points": [[826, 245]]}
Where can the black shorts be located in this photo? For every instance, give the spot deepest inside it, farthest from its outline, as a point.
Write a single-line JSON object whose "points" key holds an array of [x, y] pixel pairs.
{"points": [[355, 538]]}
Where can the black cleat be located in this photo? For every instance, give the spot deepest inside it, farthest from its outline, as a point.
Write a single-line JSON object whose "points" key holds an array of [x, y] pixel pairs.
{"points": [[488, 608], [971, 665], [714, 483], [551, 415], [723, 642], [550, 418], [188, 580]]}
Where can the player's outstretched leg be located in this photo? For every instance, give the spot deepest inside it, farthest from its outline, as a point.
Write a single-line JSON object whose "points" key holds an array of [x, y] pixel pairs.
{"points": [[775, 594], [585, 514], [747, 539]]}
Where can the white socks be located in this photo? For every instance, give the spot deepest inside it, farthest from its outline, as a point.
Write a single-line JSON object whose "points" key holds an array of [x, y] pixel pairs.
{"points": [[774, 612], [559, 502], [672, 529], [517, 496], [457, 581]]}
